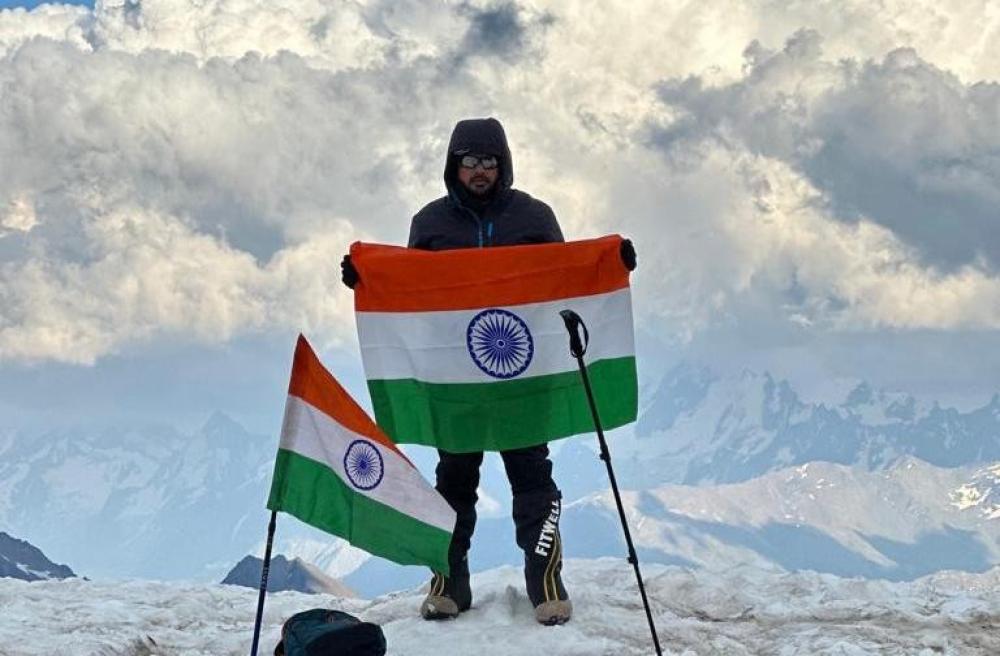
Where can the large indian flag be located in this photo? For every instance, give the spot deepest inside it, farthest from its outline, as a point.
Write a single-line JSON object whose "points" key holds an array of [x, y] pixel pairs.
{"points": [[465, 349], [338, 472]]}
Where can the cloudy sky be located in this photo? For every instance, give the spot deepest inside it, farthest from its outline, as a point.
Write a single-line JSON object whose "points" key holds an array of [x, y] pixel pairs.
{"points": [[813, 187]]}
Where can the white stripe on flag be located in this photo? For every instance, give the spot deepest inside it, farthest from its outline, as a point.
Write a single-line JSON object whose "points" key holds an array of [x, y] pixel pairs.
{"points": [[312, 433], [431, 346]]}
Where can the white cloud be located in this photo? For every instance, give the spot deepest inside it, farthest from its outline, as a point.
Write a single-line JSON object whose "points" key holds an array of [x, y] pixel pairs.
{"points": [[651, 40], [256, 169], [723, 233], [170, 183], [856, 276], [18, 217], [149, 275], [898, 141], [54, 21]]}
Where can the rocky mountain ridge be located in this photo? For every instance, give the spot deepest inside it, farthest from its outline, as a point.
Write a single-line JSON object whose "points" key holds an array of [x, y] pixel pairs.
{"points": [[285, 574], [20, 559]]}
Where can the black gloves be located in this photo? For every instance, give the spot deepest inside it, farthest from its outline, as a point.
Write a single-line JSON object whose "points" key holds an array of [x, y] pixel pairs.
{"points": [[627, 252], [349, 275]]}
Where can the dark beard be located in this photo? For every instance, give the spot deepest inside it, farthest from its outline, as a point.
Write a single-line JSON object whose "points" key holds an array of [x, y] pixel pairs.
{"points": [[474, 201]]}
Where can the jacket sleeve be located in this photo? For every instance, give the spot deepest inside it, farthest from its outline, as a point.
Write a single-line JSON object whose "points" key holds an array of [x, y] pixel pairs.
{"points": [[415, 237], [552, 230]]}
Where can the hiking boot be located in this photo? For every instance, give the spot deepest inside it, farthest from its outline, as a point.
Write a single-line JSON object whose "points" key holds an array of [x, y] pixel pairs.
{"points": [[448, 595], [551, 613], [543, 573]]}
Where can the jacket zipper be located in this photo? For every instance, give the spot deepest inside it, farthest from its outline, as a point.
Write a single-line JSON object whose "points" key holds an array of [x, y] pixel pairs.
{"points": [[479, 226]]}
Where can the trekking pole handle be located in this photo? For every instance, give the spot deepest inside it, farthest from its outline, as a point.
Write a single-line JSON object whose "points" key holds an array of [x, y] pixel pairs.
{"points": [[573, 325]]}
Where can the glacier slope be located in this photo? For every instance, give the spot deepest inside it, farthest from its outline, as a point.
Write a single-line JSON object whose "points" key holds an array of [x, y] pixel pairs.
{"points": [[741, 612]]}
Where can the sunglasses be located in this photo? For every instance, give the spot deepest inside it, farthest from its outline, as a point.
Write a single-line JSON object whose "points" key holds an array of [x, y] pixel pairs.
{"points": [[487, 161]]}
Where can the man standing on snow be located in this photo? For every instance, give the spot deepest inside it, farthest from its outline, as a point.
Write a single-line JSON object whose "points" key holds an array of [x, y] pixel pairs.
{"points": [[482, 209]]}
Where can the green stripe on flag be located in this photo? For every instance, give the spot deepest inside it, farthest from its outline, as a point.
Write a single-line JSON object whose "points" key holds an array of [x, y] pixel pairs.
{"points": [[312, 492], [507, 414]]}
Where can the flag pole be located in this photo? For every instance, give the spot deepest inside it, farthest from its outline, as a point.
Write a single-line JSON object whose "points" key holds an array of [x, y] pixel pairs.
{"points": [[263, 582], [578, 348]]}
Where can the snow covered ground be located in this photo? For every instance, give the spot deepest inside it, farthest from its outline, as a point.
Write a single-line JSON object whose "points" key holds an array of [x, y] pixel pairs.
{"points": [[746, 611]]}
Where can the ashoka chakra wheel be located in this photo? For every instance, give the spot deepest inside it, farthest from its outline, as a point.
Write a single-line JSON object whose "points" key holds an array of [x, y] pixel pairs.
{"points": [[500, 343], [364, 465]]}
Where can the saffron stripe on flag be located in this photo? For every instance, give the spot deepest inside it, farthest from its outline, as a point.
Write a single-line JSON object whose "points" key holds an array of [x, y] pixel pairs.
{"points": [[312, 492], [455, 279], [312, 383], [432, 346], [505, 414]]}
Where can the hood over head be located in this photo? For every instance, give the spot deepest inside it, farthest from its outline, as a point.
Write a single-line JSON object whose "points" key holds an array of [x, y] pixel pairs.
{"points": [[478, 135]]}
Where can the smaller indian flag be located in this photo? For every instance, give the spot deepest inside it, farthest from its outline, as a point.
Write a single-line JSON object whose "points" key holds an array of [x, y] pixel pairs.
{"points": [[337, 471]]}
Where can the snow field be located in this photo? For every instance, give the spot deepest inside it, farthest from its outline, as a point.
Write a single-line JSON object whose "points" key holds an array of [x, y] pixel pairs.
{"points": [[746, 611]]}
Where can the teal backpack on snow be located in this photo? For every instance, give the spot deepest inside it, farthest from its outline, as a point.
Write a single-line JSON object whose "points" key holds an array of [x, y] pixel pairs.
{"points": [[323, 632]]}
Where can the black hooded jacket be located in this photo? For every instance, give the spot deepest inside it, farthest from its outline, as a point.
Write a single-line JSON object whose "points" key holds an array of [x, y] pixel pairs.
{"points": [[460, 220]]}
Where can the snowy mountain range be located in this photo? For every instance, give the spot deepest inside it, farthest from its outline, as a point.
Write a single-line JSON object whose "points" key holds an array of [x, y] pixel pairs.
{"points": [[160, 503], [22, 560], [900, 523], [152, 503], [697, 428]]}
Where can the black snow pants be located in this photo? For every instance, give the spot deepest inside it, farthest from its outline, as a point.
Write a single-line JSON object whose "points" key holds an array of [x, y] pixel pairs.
{"points": [[535, 496]]}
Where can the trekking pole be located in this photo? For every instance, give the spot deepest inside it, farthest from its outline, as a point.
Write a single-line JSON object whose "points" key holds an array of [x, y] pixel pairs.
{"points": [[263, 582], [578, 348]]}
